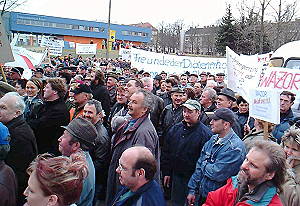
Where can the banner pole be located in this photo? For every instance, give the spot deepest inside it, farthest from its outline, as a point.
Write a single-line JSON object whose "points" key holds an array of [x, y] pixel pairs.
{"points": [[3, 74], [266, 130]]}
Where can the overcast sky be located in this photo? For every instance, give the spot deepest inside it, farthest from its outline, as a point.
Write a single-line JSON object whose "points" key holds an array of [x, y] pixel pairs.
{"points": [[192, 12]]}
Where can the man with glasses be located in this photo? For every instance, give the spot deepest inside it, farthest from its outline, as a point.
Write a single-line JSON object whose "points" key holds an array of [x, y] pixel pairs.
{"points": [[136, 170], [138, 130]]}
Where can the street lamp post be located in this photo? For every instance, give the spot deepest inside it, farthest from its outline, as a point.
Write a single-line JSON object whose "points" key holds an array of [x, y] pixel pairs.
{"points": [[108, 31]]}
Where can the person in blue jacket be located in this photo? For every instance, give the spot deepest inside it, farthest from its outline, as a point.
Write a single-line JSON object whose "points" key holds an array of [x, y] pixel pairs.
{"points": [[220, 158], [182, 148], [136, 170], [286, 115]]}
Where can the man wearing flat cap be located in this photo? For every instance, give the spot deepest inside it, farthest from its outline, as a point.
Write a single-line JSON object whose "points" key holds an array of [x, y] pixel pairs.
{"points": [[172, 113], [221, 157], [182, 147], [225, 99], [80, 135], [82, 94], [15, 75], [111, 84], [193, 78], [39, 73], [220, 80]]}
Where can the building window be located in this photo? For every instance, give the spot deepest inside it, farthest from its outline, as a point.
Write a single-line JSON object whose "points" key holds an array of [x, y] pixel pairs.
{"points": [[125, 33], [76, 27]]}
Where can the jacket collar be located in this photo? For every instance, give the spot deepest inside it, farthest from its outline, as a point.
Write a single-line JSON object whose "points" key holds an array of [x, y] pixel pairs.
{"points": [[124, 131], [221, 141], [257, 194], [287, 115], [15, 122], [54, 102]]}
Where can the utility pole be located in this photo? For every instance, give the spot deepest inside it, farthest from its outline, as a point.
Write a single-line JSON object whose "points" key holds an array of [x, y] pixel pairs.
{"points": [[108, 30]]}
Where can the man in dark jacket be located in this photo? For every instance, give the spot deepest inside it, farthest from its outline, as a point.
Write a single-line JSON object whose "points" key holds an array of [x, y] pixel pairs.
{"points": [[53, 115], [158, 103], [100, 92], [286, 115], [137, 131], [136, 170], [225, 99], [93, 112], [172, 113], [8, 181], [182, 148], [23, 147]]}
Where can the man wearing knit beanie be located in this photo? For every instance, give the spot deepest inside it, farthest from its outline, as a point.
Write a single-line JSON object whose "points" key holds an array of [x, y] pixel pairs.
{"points": [[80, 134], [8, 181]]}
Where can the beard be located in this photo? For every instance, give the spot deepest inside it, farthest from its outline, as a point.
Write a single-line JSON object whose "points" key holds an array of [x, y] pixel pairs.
{"points": [[245, 178]]}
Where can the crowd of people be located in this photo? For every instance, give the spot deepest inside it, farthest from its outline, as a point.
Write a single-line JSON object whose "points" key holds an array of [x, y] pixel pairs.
{"points": [[81, 131]]}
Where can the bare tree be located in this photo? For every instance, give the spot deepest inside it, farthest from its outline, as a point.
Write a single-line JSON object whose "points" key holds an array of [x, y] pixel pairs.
{"points": [[284, 14], [169, 36], [263, 6], [7, 5], [192, 40]]}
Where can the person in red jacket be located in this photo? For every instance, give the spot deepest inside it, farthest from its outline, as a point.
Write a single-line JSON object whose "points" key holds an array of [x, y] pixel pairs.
{"points": [[260, 178]]}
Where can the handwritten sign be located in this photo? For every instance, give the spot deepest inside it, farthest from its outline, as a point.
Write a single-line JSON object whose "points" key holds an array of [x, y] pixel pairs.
{"points": [[243, 72], [264, 104], [5, 49], [280, 79], [86, 48]]}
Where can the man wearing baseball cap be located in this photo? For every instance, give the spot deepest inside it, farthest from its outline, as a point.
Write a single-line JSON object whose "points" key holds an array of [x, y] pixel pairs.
{"points": [[182, 147], [82, 94], [80, 135], [221, 157]]}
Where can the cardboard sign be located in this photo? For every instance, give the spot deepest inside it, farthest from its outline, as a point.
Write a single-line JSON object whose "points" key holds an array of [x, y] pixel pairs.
{"points": [[125, 54], [5, 49], [264, 104], [280, 79], [86, 48], [55, 45], [243, 72]]}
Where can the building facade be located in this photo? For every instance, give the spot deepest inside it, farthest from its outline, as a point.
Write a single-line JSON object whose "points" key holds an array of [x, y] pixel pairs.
{"points": [[31, 28]]}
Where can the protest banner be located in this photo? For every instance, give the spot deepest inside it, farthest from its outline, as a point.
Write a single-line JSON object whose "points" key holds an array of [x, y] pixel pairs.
{"points": [[243, 72], [72, 44], [280, 79], [5, 49], [55, 50], [26, 59], [55, 45], [155, 63], [125, 54], [86, 48], [264, 104]]}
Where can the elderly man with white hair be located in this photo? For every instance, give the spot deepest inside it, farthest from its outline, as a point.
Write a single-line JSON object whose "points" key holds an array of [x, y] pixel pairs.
{"points": [[158, 103], [23, 148]]}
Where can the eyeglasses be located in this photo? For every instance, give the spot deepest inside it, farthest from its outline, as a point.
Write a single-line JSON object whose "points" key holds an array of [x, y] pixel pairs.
{"points": [[121, 168]]}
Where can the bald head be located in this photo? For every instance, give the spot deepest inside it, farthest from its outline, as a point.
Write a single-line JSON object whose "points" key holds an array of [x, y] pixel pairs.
{"points": [[142, 158]]}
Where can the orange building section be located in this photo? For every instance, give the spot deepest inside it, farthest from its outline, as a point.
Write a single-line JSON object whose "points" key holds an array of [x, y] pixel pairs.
{"points": [[88, 40], [84, 40]]}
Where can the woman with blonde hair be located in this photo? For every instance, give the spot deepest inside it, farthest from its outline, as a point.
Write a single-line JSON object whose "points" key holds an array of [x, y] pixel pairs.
{"points": [[290, 195], [257, 133], [55, 181]]}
